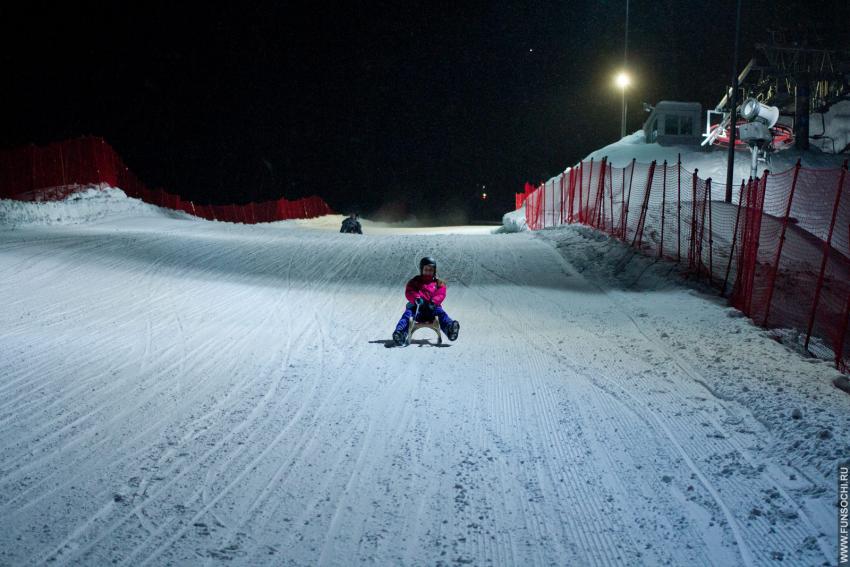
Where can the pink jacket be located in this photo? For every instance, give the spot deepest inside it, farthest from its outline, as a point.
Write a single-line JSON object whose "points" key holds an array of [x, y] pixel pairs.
{"points": [[426, 288]]}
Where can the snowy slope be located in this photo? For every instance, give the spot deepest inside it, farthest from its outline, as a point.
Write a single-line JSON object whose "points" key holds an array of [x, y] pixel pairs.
{"points": [[178, 391]]}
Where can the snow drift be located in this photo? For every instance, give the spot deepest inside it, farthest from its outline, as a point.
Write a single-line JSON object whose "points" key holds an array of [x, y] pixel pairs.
{"points": [[95, 203]]}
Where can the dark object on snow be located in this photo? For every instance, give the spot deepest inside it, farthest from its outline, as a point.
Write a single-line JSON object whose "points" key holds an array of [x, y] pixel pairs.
{"points": [[842, 383], [351, 225]]}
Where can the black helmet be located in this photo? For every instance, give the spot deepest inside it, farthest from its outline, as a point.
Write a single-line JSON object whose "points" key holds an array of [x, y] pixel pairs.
{"points": [[427, 261]]}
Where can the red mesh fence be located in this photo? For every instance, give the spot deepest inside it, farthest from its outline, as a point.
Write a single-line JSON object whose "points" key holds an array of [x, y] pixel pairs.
{"points": [[55, 171], [780, 250]]}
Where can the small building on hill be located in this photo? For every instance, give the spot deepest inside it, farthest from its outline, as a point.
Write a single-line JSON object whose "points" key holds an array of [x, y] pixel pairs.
{"points": [[674, 123]]}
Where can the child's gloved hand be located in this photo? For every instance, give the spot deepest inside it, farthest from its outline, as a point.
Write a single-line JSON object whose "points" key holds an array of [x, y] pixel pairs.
{"points": [[419, 301]]}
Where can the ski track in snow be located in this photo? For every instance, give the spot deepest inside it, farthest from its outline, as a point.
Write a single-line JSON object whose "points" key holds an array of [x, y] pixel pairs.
{"points": [[176, 391]]}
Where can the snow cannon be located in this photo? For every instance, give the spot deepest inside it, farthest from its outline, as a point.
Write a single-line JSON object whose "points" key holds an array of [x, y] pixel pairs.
{"points": [[755, 111], [757, 126], [756, 132]]}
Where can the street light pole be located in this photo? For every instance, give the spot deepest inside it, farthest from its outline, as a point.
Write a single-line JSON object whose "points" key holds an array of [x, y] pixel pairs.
{"points": [[625, 67], [623, 120], [733, 107]]}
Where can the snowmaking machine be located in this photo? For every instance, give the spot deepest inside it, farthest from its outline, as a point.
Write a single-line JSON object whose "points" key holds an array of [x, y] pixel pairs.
{"points": [[785, 83]]}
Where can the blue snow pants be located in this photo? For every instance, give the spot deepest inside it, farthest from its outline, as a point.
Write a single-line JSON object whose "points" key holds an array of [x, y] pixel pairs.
{"points": [[424, 315]]}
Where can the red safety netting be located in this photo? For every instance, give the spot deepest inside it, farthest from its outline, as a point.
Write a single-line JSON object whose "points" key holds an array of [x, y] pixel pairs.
{"points": [[795, 256], [55, 171], [780, 250]]}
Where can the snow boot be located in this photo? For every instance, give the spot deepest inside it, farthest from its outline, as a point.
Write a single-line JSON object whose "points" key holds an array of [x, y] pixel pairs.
{"points": [[453, 330], [399, 338]]}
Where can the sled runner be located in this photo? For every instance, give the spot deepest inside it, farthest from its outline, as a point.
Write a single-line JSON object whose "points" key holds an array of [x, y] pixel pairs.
{"points": [[413, 326]]}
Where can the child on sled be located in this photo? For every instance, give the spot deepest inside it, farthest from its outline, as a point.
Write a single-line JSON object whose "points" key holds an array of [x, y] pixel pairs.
{"points": [[425, 292]]}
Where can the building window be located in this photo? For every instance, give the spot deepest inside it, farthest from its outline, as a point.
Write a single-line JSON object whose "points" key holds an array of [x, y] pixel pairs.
{"points": [[671, 125], [686, 125]]}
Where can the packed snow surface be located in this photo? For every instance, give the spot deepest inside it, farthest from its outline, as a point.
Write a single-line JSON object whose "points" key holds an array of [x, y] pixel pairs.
{"points": [[176, 391]]}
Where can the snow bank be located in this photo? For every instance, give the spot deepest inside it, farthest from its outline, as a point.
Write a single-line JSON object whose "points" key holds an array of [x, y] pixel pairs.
{"points": [[514, 221], [832, 128], [95, 203], [711, 162]]}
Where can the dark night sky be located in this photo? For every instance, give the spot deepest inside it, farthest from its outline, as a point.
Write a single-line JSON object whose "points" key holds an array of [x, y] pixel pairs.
{"points": [[407, 104]]}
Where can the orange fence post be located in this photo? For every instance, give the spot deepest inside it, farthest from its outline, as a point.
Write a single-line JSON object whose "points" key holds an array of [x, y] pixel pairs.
{"points": [[627, 202], [734, 240], [580, 190], [622, 205], [761, 192], [610, 175], [692, 244], [599, 206], [642, 218], [663, 205], [539, 222], [839, 348], [781, 243], [827, 245], [679, 208], [588, 214], [699, 240], [710, 232], [561, 198]]}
